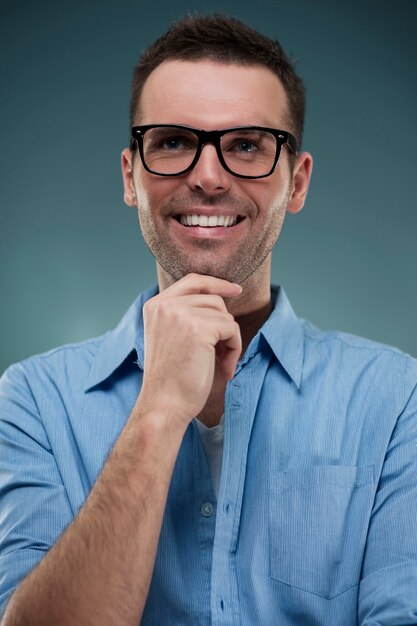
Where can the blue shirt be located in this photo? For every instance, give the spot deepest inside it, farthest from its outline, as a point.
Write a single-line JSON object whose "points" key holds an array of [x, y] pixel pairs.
{"points": [[316, 519]]}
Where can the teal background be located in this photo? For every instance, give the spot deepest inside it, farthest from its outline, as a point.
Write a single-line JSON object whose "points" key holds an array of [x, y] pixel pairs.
{"points": [[72, 258]]}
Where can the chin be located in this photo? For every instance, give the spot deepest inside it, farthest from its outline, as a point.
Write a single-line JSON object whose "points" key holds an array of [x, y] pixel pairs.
{"points": [[177, 272]]}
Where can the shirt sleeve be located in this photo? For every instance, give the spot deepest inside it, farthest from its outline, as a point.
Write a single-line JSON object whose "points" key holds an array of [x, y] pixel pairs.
{"points": [[388, 588], [34, 507]]}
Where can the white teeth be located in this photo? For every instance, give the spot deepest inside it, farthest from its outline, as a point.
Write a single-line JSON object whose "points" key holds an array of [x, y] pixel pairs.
{"points": [[208, 220]]}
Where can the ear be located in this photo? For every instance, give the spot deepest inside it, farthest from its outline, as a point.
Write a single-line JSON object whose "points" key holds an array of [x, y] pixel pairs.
{"points": [[129, 194], [301, 180]]}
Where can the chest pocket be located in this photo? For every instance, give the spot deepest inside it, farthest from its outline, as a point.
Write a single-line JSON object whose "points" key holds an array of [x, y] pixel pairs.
{"points": [[318, 520]]}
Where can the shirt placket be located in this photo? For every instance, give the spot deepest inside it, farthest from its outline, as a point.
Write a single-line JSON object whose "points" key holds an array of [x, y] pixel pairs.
{"points": [[241, 401]]}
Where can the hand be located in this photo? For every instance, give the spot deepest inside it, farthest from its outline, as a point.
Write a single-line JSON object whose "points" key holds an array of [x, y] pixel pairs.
{"points": [[188, 333]]}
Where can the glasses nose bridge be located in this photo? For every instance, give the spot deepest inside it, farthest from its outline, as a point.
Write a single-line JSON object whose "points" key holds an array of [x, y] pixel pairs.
{"points": [[210, 137]]}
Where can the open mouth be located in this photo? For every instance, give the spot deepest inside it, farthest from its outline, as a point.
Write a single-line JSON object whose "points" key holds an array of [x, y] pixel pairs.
{"points": [[209, 221]]}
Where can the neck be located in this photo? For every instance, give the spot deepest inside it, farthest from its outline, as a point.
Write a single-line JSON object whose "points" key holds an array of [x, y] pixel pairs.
{"points": [[252, 322]]}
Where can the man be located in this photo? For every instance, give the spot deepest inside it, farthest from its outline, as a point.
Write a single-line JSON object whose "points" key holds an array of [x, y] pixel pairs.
{"points": [[214, 460]]}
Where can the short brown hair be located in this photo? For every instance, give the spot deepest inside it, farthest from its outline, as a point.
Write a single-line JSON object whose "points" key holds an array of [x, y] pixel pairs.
{"points": [[224, 39]]}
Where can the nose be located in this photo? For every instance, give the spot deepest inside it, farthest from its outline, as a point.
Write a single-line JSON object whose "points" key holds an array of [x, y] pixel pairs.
{"points": [[208, 174]]}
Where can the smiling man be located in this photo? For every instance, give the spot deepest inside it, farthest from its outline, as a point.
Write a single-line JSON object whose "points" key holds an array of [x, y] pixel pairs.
{"points": [[235, 176], [214, 459]]}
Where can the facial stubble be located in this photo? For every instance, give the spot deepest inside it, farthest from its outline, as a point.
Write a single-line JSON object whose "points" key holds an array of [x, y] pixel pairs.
{"points": [[211, 257]]}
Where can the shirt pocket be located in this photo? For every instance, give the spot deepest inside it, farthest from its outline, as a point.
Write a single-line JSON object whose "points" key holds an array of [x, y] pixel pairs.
{"points": [[318, 521]]}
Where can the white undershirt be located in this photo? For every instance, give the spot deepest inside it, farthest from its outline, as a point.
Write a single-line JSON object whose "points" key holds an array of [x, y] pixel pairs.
{"points": [[212, 440]]}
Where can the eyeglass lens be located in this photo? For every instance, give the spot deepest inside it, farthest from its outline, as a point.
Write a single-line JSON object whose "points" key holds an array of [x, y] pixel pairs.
{"points": [[245, 151]]}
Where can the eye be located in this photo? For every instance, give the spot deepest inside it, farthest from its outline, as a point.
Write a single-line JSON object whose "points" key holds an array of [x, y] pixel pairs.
{"points": [[173, 143], [247, 142], [162, 140], [244, 146], [248, 146]]}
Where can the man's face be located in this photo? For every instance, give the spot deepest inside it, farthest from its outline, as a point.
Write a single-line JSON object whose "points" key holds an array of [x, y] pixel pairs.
{"points": [[212, 96]]}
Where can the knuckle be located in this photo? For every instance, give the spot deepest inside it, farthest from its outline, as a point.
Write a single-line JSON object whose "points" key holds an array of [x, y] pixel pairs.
{"points": [[229, 319], [152, 302], [147, 308], [219, 302], [157, 306]]}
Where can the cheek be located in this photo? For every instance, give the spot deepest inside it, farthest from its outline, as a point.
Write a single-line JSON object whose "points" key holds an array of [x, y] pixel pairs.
{"points": [[154, 192], [278, 195], [267, 193]]}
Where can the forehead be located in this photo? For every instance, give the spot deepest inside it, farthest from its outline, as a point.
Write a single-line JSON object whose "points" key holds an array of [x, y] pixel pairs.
{"points": [[210, 95]]}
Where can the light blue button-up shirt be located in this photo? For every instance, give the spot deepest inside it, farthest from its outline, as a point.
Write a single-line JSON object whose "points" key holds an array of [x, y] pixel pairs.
{"points": [[316, 519]]}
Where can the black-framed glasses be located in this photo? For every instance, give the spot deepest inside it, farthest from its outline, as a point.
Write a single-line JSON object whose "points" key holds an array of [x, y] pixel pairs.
{"points": [[245, 151]]}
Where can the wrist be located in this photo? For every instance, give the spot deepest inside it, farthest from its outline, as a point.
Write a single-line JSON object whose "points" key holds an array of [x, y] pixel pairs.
{"points": [[158, 413]]}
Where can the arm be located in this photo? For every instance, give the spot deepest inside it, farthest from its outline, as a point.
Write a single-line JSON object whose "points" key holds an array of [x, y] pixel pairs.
{"points": [[388, 588], [100, 569]]}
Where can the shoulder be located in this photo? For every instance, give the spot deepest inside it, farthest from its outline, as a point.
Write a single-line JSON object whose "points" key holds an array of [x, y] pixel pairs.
{"points": [[47, 386], [339, 341], [360, 361], [71, 364], [70, 360]]}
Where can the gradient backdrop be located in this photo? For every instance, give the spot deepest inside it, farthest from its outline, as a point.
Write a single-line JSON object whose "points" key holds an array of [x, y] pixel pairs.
{"points": [[72, 258]]}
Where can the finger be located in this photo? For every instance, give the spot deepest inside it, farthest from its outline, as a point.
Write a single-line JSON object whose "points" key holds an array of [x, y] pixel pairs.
{"points": [[216, 327], [229, 348], [228, 363], [200, 301], [202, 284]]}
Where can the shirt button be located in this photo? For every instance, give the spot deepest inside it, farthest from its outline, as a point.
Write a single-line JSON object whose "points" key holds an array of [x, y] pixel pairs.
{"points": [[207, 509]]}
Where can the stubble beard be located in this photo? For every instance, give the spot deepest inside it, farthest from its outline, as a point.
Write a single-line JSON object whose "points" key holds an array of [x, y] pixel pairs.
{"points": [[237, 267]]}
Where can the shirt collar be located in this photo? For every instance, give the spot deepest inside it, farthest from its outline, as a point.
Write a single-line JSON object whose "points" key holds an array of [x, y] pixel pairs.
{"points": [[282, 331], [117, 344]]}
